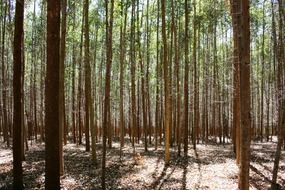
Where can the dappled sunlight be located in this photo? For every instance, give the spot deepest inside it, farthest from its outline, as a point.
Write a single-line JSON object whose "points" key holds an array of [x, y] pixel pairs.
{"points": [[210, 167]]}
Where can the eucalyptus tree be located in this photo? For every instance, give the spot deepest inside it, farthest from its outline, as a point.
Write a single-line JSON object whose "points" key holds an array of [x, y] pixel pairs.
{"points": [[52, 120], [109, 54], [17, 93], [281, 100], [244, 58], [167, 97], [186, 81]]}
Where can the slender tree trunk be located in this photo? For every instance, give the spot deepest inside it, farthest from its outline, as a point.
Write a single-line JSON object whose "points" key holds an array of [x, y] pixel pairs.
{"points": [[167, 97], [87, 74], [109, 53], [61, 84], [143, 86], [74, 131], [177, 71], [1, 107], [122, 68], [33, 98], [274, 38], [53, 138], [17, 93], [89, 119], [80, 87], [148, 37], [4, 88], [42, 79], [262, 74], [157, 93], [133, 70], [244, 57], [186, 80], [236, 98], [196, 95], [281, 101]]}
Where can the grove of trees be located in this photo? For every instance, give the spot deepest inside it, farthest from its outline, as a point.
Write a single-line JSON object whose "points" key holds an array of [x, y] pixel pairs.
{"points": [[159, 73]]}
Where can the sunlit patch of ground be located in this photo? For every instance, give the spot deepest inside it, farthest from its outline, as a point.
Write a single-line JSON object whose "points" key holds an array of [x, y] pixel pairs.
{"points": [[5, 154], [210, 167]]}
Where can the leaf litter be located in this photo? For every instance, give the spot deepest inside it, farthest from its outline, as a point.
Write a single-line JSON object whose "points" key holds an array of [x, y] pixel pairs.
{"points": [[211, 167]]}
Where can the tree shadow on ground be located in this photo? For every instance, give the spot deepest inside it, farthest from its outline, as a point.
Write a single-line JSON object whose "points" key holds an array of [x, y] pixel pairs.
{"points": [[159, 181], [257, 180], [198, 184], [6, 176], [262, 158], [79, 167]]}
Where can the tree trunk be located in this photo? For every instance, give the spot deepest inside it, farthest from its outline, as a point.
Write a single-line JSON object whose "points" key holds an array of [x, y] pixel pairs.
{"points": [[61, 85], [186, 80], [177, 74], [236, 98], [157, 93], [4, 88], [133, 71], [53, 138], [74, 131], [79, 86], [109, 53], [87, 69], [17, 93], [281, 101], [196, 95], [244, 57], [167, 97], [122, 68]]}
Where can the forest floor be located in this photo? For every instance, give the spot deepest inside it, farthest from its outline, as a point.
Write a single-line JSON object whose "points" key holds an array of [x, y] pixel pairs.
{"points": [[210, 167]]}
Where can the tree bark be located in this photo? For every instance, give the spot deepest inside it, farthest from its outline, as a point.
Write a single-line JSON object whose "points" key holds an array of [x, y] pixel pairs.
{"points": [[61, 85], [244, 57], [157, 93], [236, 81], [17, 93], [196, 95], [87, 69], [109, 53], [122, 68], [4, 88], [177, 76], [281, 100], [53, 138], [133, 70], [167, 97], [186, 81]]}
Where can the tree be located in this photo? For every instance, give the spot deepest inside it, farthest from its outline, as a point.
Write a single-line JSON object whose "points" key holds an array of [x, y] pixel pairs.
{"points": [[74, 130], [52, 125], [167, 97], [133, 70], [122, 68], [186, 79], [17, 93], [4, 82], [196, 95], [236, 98], [157, 93], [61, 85], [177, 75], [109, 53], [281, 100], [244, 57], [87, 74], [79, 85]]}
